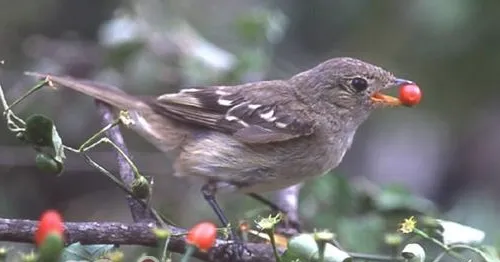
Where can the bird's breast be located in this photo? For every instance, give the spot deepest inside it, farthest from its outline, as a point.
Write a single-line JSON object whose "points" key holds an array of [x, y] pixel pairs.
{"points": [[260, 167]]}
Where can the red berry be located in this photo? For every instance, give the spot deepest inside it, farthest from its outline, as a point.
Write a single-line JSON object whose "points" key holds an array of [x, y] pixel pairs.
{"points": [[202, 235], [50, 222], [410, 94]]}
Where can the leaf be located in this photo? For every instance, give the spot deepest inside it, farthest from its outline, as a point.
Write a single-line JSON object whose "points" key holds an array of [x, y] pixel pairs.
{"points": [[413, 253], [304, 248], [289, 257], [118, 55], [46, 163], [334, 193], [397, 198], [58, 146], [455, 233], [251, 27], [39, 130], [80, 252], [362, 234], [261, 24]]}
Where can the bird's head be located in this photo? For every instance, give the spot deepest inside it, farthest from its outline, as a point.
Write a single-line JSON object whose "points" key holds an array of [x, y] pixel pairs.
{"points": [[352, 87], [350, 82]]}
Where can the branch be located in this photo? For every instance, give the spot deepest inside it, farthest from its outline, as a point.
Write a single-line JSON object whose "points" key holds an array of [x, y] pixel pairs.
{"points": [[88, 233], [139, 212]]}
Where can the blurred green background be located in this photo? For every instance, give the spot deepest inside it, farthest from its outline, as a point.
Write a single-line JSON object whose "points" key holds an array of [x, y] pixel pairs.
{"points": [[444, 153]]}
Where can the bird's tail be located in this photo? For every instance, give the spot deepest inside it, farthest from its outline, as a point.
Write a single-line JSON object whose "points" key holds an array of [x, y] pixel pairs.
{"points": [[162, 132], [109, 94]]}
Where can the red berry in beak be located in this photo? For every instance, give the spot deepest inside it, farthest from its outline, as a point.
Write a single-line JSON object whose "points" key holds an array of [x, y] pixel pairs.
{"points": [[410, 95]]}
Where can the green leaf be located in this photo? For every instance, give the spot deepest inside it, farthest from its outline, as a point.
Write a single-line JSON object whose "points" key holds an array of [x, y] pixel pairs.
{"points": [[58, 146], [46, 163], [251, 27], [363, 234], [140, 187], [39, 130], [397, 198], [455, 233], [288, 256], [334, 193], [118, 55], [305, 248], [79, 252], [259, 25], [413, 253]]}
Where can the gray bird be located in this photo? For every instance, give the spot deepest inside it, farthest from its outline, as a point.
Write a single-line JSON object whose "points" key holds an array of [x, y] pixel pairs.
{"points": [[260, 136]]}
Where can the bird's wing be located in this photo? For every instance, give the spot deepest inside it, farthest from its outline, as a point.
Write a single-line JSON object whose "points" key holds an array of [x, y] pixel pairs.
{"points": [[250, 116]]}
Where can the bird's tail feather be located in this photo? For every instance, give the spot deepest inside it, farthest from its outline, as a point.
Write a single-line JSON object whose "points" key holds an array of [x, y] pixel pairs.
{"points": [[106, 93], [162, 132]]}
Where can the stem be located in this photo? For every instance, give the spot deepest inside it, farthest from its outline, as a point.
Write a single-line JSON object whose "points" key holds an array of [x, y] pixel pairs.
{"points": [[426, 236], [461, 246], [31, 91], [150, 195], [85, 146], [160, 218], [472, 249], [394, 251], [108, 141], [129, 161], [3, 100], [440, 244], [89, 144], [9, 115], [375, 257], [321, 250], [336, 243], [440, 256], [189, 252], [163, 248], [273, 244]]}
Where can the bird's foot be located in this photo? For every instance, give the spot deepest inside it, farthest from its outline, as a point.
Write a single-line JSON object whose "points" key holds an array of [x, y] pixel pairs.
{"points": [[288, 227], [231, 251]]}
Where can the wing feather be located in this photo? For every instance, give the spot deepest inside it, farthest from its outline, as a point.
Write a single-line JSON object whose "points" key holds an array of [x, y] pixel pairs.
{"points": [[238, 112]]}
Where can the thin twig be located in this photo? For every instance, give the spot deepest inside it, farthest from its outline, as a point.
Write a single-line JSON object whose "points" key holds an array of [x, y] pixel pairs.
{"points": [[440, 244], [139, 212]]}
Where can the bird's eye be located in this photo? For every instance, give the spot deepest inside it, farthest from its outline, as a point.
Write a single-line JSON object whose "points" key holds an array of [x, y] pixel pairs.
{"points": [[359, 84]]}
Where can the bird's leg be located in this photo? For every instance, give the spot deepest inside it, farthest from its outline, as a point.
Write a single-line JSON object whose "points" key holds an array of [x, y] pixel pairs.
{"points": [[267, 202], [294, 225], [208, 190]]}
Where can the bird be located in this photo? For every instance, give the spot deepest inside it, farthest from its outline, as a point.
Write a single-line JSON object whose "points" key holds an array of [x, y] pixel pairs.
{"points": [[260, 136]]}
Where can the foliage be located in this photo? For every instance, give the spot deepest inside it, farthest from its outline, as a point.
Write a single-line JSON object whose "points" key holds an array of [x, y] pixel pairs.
{"points": [[365, 220], [363, 217]]}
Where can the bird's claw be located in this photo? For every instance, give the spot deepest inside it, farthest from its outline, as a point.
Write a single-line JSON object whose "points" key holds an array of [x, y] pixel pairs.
{"points": [[231, 251], [289, 227]]}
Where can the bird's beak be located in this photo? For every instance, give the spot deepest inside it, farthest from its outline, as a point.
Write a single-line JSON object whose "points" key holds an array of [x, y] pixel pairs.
{"points": [[387, 100]]}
